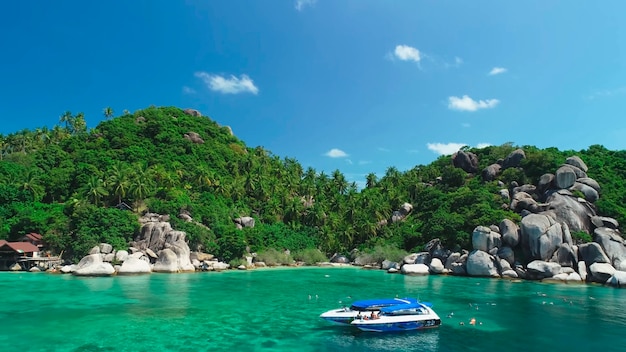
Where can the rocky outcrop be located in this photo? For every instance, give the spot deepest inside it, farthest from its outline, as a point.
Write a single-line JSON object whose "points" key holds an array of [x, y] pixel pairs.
{"points": [[514, 159], [132, 266], [193, 137], [480, 263], [400, 214], [244, 221], [415, 269], [565, 177], [467, 161], [541, 235], [484, 239], [491, 172], [192, 112], [92, 265]]}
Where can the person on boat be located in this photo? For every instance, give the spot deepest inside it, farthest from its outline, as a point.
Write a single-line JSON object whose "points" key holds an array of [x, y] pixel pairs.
{"points": [[374, 315]]}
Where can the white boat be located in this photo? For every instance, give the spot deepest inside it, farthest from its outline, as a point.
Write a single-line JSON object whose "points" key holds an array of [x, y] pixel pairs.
{"points": [[401, 317], [346, 315]]}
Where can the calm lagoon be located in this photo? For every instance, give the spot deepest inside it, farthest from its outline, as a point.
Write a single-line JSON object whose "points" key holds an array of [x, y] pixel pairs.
{"points": [[278, 310]]}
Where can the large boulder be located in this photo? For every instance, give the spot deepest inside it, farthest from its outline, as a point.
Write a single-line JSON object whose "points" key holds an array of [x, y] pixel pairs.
{"points": [[167, 262], [541, 235], [577, 162], [193, 137], [591, 195], [480, 263], [592, 253], [513, 159], [613, 245], [546, 181], [491, 172], [467, 161], [603, 221], [510, 233], [121, 255], [436, 266], [92, 265], [244, 221], [540, 269], [436, 249], [415, 269], [192, 112], [484, 239], [105, 248], [134, 266], [506, 253], [589, 182], [573, 211], [153, 233], [565, 176], [565, 256], [601, 272], [618, 279]]}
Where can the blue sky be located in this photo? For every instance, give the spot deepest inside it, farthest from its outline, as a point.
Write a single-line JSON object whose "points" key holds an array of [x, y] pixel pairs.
{"points": [[354, 85]]}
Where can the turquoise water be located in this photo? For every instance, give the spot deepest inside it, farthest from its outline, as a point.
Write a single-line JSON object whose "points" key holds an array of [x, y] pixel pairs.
{"points": [[278, 310]]}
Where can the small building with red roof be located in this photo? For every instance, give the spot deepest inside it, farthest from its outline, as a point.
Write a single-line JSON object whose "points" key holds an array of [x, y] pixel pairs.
{"points": [[13, 252]]}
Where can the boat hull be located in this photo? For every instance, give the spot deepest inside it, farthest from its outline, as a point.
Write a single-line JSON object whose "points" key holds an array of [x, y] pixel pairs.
{"points": [[399, 326]]}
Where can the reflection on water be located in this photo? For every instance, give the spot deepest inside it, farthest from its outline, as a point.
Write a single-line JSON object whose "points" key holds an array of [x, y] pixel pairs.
{"points": [[350, 340]]}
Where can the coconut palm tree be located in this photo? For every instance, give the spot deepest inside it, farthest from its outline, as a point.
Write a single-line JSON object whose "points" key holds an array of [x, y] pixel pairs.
{"points": [[95, 189], [108, 112]]}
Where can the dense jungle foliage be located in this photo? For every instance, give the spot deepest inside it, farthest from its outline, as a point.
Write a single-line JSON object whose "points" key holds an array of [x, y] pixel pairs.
{"points": [[67, 182]]}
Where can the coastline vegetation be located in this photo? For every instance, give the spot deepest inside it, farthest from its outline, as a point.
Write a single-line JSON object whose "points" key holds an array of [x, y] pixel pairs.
{"points": [[79, 187]]}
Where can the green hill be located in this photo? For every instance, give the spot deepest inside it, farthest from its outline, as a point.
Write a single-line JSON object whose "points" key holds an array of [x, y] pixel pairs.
{"points": [[67, 184]]}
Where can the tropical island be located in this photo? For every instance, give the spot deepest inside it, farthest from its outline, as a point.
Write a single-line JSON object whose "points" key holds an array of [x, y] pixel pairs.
{"points": [[169, 190]]}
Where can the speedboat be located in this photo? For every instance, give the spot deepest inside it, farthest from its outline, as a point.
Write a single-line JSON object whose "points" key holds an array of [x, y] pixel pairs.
{"points": [[400, 317], [346, 315]]}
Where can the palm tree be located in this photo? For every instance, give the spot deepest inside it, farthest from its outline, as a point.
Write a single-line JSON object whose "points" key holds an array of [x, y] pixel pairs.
{"points": [[30, 182], [108, 112], [119, 180], [95, 189], [141, 185], [80, 125], [68, 119], [371, 180]]}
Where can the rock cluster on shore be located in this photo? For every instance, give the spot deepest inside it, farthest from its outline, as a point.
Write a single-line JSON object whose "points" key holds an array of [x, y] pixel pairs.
{"points": [[158, 248], [541, 247]]}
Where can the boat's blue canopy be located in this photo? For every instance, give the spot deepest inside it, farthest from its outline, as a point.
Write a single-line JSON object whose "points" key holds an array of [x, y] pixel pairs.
{"points": [[371, 304], [397, 307]]}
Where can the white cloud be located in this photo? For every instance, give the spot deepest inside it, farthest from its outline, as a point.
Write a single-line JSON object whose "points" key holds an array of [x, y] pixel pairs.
{"points": [[336, 153], [466, 103], [364, 162], [606, 93], [451, 148], [445, 149], [382, 149], [230, 85], [465, 124], [457, 63], [188, 90], [407, 53], [301, 4], [497, 70]]}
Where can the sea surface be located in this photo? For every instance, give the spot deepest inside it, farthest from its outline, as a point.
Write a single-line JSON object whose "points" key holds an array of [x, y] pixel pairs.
{"points": [[278, 310]]}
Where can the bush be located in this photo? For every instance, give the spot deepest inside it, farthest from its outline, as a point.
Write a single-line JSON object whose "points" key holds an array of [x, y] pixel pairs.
{"points": [[237, 262], [381, 253], [310, 256], [272, 257], [581, 237]]}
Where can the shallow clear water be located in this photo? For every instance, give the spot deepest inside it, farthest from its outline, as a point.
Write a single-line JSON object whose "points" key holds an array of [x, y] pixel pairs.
{"points": [[278, 310]]}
